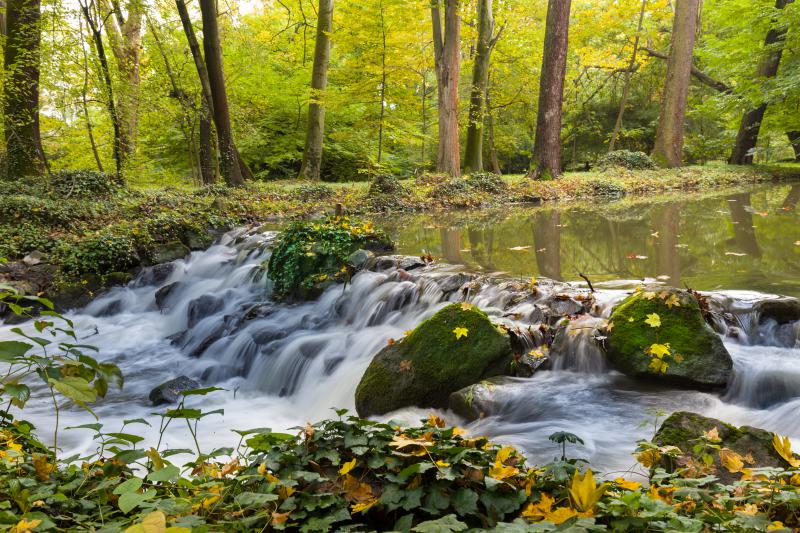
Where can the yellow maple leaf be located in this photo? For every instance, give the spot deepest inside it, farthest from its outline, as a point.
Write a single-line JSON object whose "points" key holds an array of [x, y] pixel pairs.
{"points": [[435, 421], [659, 350], [775, 526], [466, 306], [623, 483], [560, 515], [648, 295], [461, 332], [731, 460], [783, 446], [499, 471], [280, 518], [401, 441], [653, 320], [750, 509], [584, 492], [537, 511], [712, 434], [648, 458], [658, 366], [362, 507], [23, 526], [672, 301], [347, 467], [405, 365]]}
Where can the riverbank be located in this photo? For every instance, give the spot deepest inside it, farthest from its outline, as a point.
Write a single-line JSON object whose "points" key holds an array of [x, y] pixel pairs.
{"points": [[73, 236]]}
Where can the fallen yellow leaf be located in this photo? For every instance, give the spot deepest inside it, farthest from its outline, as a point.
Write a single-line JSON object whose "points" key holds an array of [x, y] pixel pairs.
{"points": [[461, 332], [653, 320], [347, 467]]}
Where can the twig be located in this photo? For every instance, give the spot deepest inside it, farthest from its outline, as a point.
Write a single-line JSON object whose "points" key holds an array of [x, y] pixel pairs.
{"points": [[591, 288]]}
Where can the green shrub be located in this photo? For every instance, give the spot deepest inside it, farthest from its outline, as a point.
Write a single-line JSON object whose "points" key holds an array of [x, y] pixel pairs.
{"points": [[386, 184], [101, 253], [313, 191], [17, 240], [83, 183], [627, 159], [311, 254], [605, 187], [487, 182], [17, 208]]}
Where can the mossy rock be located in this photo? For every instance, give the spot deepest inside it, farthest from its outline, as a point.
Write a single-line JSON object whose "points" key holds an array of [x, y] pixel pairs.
{"points": [[697, 357], [685, 431], [430, 363]]}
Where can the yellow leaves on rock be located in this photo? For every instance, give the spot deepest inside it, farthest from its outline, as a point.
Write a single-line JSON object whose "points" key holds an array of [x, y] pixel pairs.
{"points": [[347, 467], [712, 434], [732, 461], [672, 301], [543, 510], [466, 306], [648, 295], [435, 421], [584, 492], [783, 446], [658, 366], [460, 332], [405, 365], [653, 320], [625, 484], [660, 350]]}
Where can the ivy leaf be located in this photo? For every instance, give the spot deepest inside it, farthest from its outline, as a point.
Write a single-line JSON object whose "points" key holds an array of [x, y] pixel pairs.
{"points": [[446, 524], [465, 502], [461, 332], [255, 499], [653, 320]]}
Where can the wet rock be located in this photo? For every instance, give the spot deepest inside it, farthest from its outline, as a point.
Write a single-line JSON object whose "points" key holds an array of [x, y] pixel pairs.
{"points": [[479, 400], [34, 258], [170, 392], [782, 310], [685, 430], [163, 294], [170, 251], [359, 258], [155, 275], [196, 240], [203, 307], [452, 282], [563, 305], [528, 364], [696, 356], [387, 262], [425, 367]]}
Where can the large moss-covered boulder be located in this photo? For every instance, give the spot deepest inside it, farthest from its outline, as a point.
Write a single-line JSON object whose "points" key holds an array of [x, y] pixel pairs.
{"points": [[703, 443], [662, 336], [456, 347]]}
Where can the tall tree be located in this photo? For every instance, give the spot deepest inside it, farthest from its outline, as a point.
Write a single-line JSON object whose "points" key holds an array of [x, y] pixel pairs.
{"points": [[626, 89], [315, 132], [473, 153], [123, 28], [230, 167], [446, 47], [24, 154], [747, 138], [547, 143], [668, 149]]}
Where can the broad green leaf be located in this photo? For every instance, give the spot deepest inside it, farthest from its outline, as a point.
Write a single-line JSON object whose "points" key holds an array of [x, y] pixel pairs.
{"points": [[11, 350], [131, 485], [255, 499], [168, 473], [75, 388]]}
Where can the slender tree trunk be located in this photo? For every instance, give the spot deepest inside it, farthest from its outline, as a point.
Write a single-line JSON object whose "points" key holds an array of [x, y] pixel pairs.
{"points": [[84, 101], [97, 39], [492, 148], [207, 152], [228, 156], [547, 144], [747, 138], [448, 66], [794, 140], [24, 154], [668, 149], [383, 86], [124, 32], [473, 154], [627, 87], [312, 155], [424, 125]]}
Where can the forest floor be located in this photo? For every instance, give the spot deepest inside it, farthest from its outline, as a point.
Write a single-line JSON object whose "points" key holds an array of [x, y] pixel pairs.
{"points": [[72, 244]]}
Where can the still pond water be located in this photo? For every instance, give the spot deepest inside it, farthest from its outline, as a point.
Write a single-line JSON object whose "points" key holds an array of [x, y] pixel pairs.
{"points": [[749, 240]]}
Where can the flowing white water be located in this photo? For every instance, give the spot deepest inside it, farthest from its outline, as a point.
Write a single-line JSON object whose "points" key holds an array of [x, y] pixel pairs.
{"points": [[283, 365]]}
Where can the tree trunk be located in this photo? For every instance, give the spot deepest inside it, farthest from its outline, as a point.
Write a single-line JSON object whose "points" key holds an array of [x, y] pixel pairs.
{"points": [[492, 147], [315, 132], [97, 39], [228, 156], [124, 31], [747, 138], [206, 151], [547, 145], [627, 87], [448, 66], [24, 154], [473, 154], [794, 140], [85, 103], [668, 149], [383, 86]]}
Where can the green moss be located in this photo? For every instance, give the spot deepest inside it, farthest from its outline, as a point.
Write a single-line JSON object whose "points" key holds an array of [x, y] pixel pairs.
{"points": [[696, 357], [431, 363]]}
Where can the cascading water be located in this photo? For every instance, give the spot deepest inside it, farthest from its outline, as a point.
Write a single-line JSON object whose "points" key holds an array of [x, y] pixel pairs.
{"points": [[281, 365]]}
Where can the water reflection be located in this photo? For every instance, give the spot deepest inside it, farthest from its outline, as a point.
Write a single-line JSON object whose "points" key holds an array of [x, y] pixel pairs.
{"points": [[745, 240]]}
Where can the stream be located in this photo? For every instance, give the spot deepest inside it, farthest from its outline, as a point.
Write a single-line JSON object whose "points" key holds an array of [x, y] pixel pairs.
{"points": [[283, 365]]}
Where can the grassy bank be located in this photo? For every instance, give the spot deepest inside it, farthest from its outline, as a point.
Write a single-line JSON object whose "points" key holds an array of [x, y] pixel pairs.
{"points": [[91, 232]]}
